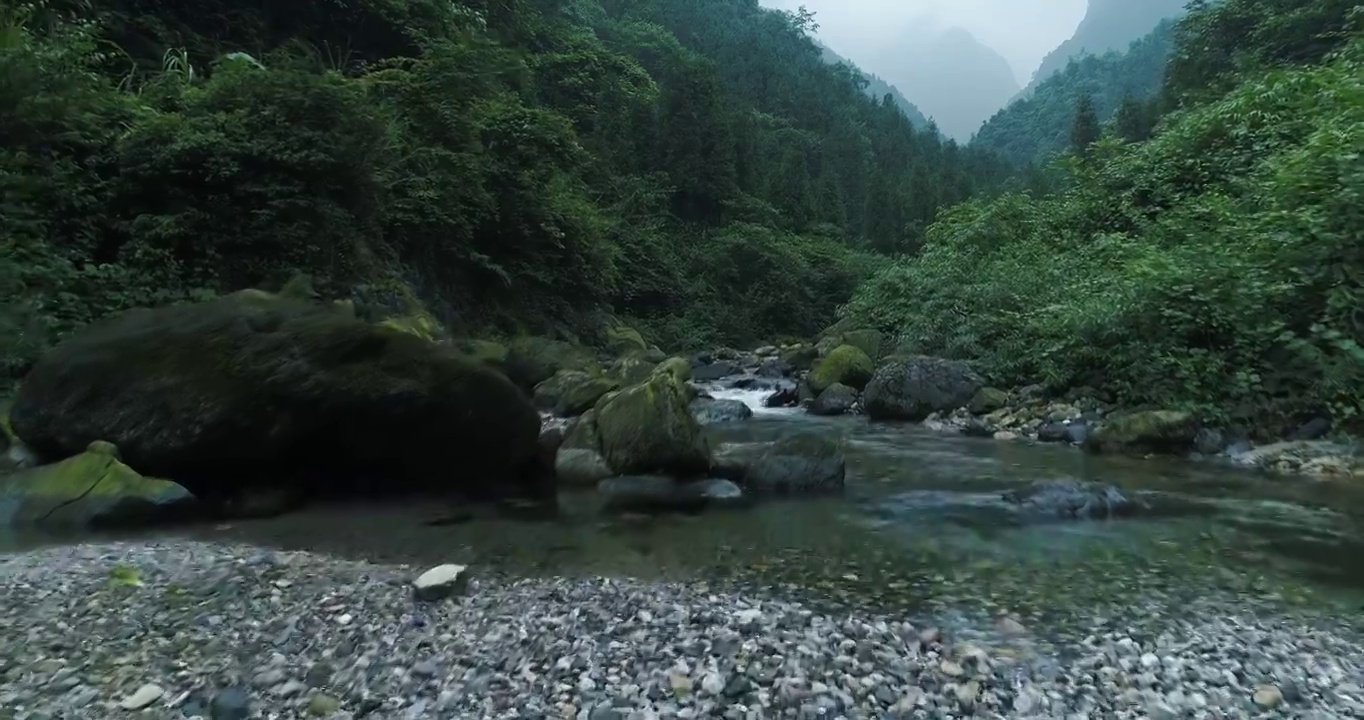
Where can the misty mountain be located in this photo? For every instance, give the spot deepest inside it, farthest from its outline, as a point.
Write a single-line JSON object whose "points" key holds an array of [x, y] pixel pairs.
{"points": [[1038, 125], [956, 80], [878, 88], [1108, 25]]}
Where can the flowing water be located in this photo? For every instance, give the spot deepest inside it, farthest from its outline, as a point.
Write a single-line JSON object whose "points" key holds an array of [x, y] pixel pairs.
{"points": [[921, 528]]}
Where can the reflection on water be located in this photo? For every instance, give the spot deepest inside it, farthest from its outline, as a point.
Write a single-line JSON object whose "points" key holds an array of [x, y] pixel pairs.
{"points": [[921, 524]]}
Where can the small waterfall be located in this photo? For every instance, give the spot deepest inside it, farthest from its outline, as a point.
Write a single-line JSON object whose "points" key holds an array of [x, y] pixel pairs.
{"points": [[753, 397]]}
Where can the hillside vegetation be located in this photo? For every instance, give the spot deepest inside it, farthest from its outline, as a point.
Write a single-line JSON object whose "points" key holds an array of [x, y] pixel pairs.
{"points": [[1218, 266], [1037, 127], [516, 165]]}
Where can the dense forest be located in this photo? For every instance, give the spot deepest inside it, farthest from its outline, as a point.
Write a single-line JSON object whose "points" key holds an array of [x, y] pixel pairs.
{"points": [[695, 168], [1037, 127], [878, 88], [517, 165], [1218, 265]]}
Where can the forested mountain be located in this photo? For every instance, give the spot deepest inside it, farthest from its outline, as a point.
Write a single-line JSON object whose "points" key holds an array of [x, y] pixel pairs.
{"points": [[954, 78], [878, 89], [1036, 127], [1217, 267], [1108, 25], [521, 165]]}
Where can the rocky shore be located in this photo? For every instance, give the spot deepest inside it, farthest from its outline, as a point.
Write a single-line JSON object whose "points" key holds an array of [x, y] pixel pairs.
{"points": [[172, 630]]}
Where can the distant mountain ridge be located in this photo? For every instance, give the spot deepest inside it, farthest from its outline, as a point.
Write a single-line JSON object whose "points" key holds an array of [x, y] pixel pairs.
{"points": [[878, 88], [1107, 25], [955, 79]]}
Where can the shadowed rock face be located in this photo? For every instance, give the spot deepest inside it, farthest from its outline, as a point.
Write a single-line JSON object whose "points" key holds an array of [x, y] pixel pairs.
{"points": [[254, 390]]}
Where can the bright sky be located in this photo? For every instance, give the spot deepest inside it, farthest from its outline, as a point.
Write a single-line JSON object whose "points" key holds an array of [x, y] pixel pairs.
{"points": [[1023, 31]]}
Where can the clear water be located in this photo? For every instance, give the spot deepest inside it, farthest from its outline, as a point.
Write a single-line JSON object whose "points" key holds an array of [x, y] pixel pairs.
{"points": [[920, 528]]}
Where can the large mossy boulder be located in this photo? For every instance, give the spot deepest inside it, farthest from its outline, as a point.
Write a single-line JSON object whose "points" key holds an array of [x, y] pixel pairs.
{"points": [[251, 390], [870, 342], [844, 365], [631, 369], [571, 392], [91, 490], [1145, 432], [533, 360], [623, 339], [648, 428], [837, 399], [912, 388]]}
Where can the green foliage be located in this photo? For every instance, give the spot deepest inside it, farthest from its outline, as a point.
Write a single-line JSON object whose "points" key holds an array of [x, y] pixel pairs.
{"points": [[522, 166], [1084, 129], [1217, 267], [1037, 126]]}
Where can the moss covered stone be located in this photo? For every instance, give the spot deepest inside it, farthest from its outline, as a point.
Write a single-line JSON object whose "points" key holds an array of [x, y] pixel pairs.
{"points": [[631, 369], [571, 392], [1140, 433], [988, 400], [226, 394], [89, 490], [801, 357], [868, 341], [621, 339], [420, 324], [648, 428], [533, 360], [845, 364]]}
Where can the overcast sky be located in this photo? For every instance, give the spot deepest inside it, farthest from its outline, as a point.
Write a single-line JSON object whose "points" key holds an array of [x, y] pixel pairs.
{"points": [[1023, 31]]}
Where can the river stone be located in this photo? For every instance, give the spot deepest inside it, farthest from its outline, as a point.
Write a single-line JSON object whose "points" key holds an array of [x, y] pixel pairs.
{"points": [[91, 490], [648, 428], [143, 697], [230, 703], [1073, 499], [836, 399], [1139, 433], [259, 389], [912, 388], [580, 467], [571, 392], [710, 372], [802, 464], [845, 364], [440, 582], [785, 394], [712, 411]]}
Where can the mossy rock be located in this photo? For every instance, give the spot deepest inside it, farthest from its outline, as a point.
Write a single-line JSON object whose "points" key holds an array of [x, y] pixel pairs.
{"points": [[233, 393], [868, 341], [582, 434], [622, 339], [846, 364], [1145, 432], [420, 324], [93, 489], [571, 392], [675, 367], [801, 357], [648, 428], [532, 360], [987, 400], [631, 369]]}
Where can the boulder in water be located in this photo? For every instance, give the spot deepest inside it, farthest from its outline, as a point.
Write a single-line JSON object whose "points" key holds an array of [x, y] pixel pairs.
{"points": [[649, 428], [801, 464], [786, 394], [710, 372], [656, 493], [846, 365], [1140, 433], [712, 411], [580, 467], [912, 388], [836, 399], [253, 389], [91, 490], [1073, 499], [773, 368], [571, 392]]}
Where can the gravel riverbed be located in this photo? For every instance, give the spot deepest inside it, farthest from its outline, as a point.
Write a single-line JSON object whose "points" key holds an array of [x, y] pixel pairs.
{"points": [[183, 629]]}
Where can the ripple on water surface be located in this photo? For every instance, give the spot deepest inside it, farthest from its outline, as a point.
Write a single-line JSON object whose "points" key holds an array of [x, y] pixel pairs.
{"points": [[922, 529]]}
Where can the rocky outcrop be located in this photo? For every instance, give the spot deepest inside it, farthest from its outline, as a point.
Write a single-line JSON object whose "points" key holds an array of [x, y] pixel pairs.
{"points": [[91, 490], [912, 388], [258, 390]]}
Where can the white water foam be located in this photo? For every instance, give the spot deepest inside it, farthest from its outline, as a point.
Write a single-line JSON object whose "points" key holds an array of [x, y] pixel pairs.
{"points": [[750, 397]]}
